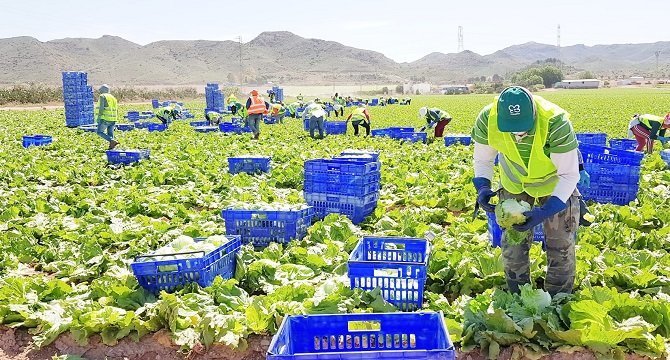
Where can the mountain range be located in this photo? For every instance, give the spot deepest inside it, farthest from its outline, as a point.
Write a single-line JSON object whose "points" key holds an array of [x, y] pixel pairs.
{"points": [[285, 58]]}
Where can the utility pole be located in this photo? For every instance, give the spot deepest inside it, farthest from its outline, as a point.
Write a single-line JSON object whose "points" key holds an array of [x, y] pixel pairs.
{"points": [[558, 46], [658, 54], [460, 39], [239, 40]]}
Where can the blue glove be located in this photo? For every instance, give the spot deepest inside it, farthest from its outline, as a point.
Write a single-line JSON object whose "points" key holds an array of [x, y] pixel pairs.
{"points": [[584, 178], [484, 193], [541, 213]]}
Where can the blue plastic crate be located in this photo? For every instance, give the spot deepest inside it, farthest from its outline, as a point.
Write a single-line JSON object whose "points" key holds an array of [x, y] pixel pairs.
{"points": [[332, 166], [374, 154], [125, 127], [604, 155], [155, 103], [397, 130], [359, 158], [206, 129], [143, 124], [227, 127], [354, 207], [89, 128], [599, 139], [343, 179], [395, 265], [36, 140], [335, 127], [261, 227], [381, 132], [156, 127], [168, 275], [199, 123], [453, 139], [412, 136], [340, 189], [665, 155], [126, 156], [613, 173], [249, 164], [618, 194], [495, 232], [623, 144], [395, 336]]}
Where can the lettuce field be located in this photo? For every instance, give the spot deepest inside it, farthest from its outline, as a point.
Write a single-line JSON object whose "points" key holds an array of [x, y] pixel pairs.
{"points": [[70, 224]]}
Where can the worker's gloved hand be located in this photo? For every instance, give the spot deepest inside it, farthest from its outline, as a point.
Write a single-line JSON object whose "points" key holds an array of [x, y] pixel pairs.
{"points": [[539, 214], [484, 193], [584, 178]]}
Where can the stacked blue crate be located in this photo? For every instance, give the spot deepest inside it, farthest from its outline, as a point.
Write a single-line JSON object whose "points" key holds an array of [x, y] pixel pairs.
{"points": [[346, 184], [615, 174], [78, 99], [279, 93], [214, 98]]}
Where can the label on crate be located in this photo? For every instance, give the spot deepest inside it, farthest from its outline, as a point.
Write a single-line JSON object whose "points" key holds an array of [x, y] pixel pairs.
{"points": [[388, 272], [371, 325]]}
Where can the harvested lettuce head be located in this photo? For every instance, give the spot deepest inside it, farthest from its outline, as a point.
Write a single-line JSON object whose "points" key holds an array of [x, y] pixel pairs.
{"points": [[509, 213]]}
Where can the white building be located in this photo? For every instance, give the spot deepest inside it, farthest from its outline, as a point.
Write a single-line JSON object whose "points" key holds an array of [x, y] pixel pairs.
{"points": [[454, 89], [423, 88], [633, 80], [578, 84]]}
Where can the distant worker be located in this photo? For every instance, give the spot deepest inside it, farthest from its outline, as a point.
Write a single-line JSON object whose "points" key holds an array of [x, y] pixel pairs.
{"points": [[382, 101], [271, 95], [315, 113], [435, 118], [300, 98], [406, 101], [538, 156], [107, 116], [360, 117], [647, 128], [213, 117], [256, 108], [167, 114], [292, 109], [234, 104], [339, 105], [278, 110]]}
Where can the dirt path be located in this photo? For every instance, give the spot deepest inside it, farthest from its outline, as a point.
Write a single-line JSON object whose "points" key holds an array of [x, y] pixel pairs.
{"points": [[16, 344]]}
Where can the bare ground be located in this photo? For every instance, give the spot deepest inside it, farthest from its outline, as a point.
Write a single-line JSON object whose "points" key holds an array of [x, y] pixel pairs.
{"points": [[16, 344]]}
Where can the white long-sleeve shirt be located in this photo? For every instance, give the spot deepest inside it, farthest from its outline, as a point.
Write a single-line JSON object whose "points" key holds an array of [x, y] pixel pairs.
{"points": [[567, 168]]}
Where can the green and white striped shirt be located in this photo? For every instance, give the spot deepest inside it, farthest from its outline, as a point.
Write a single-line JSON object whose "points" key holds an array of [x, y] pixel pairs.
{"points": [[561, 137]]}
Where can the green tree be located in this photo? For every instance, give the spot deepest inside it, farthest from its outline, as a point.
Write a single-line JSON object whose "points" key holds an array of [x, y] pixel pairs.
{"points": [[586, 75]]}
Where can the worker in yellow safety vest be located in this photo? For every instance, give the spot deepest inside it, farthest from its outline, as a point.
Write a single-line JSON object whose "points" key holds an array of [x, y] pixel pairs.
{"points": [[647, 128], [539, 164], [107, 116]]}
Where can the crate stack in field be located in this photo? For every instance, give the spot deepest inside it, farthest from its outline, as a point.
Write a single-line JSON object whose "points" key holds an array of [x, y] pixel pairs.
{"points": [[615, 174], [599, 139], [268, 223], [279, 93], [347, 184], [214, 98], [78, 99], [623, 144]]}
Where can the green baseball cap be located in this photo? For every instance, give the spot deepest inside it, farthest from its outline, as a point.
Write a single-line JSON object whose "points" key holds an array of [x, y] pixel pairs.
{"points": [[516, 112]]}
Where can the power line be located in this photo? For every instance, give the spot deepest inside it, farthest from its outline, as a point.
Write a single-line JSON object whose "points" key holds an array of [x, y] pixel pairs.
{"points": [[460, 39]]}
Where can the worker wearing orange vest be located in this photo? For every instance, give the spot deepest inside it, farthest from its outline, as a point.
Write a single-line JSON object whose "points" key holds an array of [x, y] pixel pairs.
{"points": [[256, 108]]}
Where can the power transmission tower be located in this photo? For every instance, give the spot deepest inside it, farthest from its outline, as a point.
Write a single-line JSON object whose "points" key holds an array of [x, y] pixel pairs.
{"points": [[658, 54], [460, 39]]}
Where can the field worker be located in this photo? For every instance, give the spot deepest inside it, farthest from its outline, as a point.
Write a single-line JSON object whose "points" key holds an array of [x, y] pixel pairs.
{"points": [[316, 115], [539, 165], [256, 108], [338, 105], [647, 128], [436, 118], [360, 117], [107, 116], [300, 98], [292, 107], [382, 101], [277, 112], [166, 114], [406, 101], [213, 117], [234, 104]]}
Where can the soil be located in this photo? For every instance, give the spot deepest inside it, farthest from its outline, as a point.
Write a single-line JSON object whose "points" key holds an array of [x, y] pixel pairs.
{"points": [[17, 344]]}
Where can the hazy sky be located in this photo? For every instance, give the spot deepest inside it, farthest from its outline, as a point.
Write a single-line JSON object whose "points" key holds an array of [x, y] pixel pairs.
{"points": [[402, 30]]}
